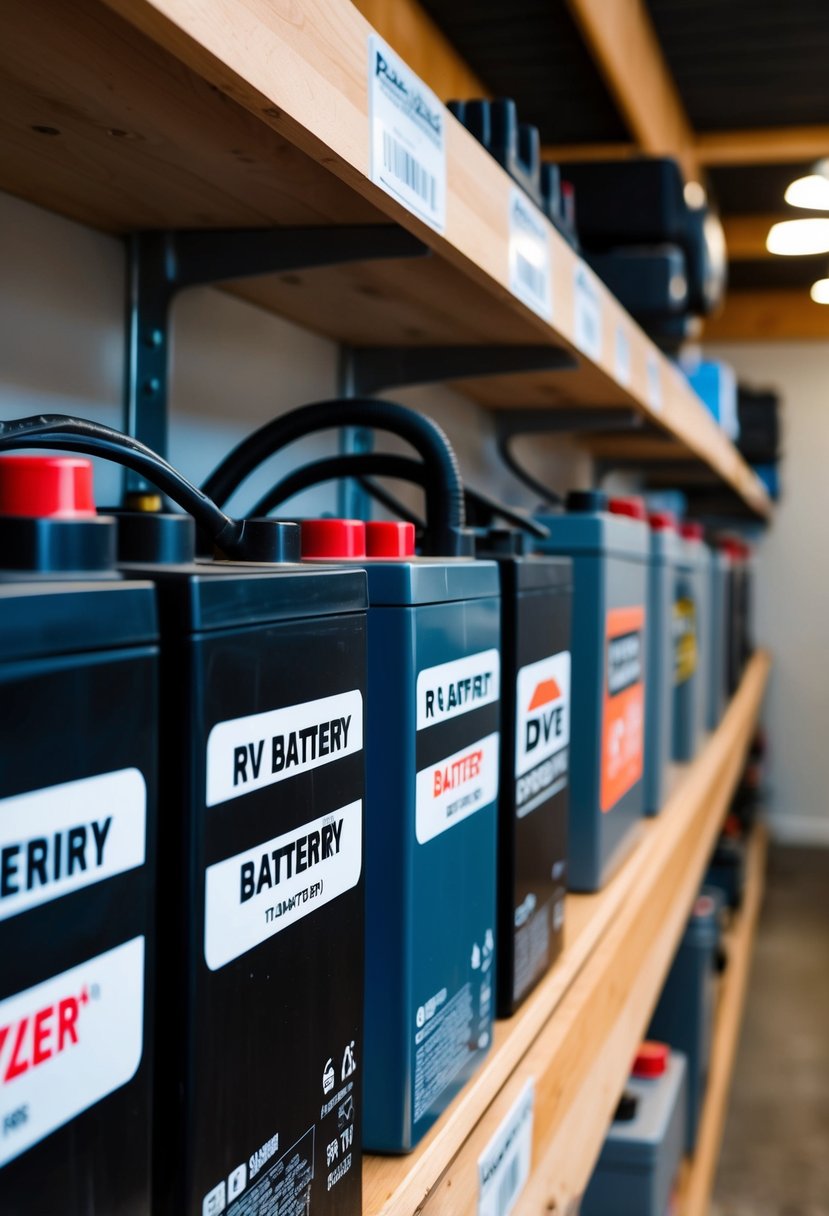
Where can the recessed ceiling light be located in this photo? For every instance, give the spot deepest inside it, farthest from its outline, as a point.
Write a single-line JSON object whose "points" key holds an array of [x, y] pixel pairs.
{"points": [[793, 238], [820, 291], [811, 192]]}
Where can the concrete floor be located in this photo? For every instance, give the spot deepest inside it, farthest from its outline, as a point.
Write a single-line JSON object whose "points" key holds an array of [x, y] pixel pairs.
{"points": [[775, 1157]]}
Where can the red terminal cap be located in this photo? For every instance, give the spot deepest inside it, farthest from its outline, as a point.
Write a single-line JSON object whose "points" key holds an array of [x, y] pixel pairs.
{"points": [[630, 505], [390, 538], [46, 487], [651, 1059], [704, 906], [662, 521], [333, 538], [691, 530]]}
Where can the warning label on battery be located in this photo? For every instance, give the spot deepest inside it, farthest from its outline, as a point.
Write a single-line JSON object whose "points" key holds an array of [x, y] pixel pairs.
{"points": [[249, 753], [67, 1043], [456, 787], [250, 897], [56, 840], [624, 705], [542, 731], [281, 1189], [685, 639], [455, 688]]}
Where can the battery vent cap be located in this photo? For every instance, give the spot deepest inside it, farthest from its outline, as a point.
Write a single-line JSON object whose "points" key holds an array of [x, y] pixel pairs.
{"points": [[651, 1059], [390, 538], [334, 539], [46, 487], [690, 530], [662, 521], [586, 501], [630, 505]]}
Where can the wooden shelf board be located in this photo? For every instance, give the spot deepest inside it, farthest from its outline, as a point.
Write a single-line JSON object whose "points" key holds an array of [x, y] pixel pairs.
{"points": [[576, 1035], [168, 113], [699, 1172]]}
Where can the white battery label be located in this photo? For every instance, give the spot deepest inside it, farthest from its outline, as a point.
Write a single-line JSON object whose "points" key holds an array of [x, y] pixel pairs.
{"points": [[67, 1043], [255, 894], [408, 136], [451, 689], [587, 312], [653, 373], [529, 255], [57, 840], [504, 1165], [246, 754], [621, 355], [455, 788]]}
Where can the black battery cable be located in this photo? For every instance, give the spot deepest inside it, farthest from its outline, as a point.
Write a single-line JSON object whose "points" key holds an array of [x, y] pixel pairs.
{"points": [[401, 468], [446, 532], [232, 537]]}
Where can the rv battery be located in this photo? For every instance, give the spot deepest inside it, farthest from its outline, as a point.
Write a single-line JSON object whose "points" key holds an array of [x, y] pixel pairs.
{"points": [[659, 698], [719, 574], [684, 1016], [640, 1158], [741, 641], [79, 687], [536, 604], [649, 282], [687, 629], [432, 751], [260, 895], [700, 555], [610, 560], [664, 547]]}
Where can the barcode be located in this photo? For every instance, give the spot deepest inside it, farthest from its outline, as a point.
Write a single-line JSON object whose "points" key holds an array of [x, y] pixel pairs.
{"points": [[509, 1186], [531, 276], [407, 169]]}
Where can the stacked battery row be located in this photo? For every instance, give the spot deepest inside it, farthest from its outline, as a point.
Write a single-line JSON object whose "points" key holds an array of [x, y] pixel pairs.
{"points": [[214, 768]]}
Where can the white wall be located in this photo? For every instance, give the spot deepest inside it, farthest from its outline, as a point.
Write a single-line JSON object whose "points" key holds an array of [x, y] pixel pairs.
{"points": [[234, 365], [793, 585]]}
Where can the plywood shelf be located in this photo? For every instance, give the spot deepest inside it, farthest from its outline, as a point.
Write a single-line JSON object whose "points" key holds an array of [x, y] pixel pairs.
{"points": [[128, 114], [577, 1033], [699, 1172]]}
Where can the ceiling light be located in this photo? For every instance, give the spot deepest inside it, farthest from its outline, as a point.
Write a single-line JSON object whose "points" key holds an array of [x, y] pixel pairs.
{"points": [[820, 291], [797, 237], [811, 192]]}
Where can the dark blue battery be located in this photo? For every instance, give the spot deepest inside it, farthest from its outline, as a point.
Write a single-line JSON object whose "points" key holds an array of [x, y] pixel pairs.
{"points": [[78, 782], [639, 1162], [659, 701], [610, 564], [687, 661], [684, 1016], [432, 756]]}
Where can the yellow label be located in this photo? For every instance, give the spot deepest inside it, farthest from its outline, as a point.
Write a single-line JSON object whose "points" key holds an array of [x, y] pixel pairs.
{"points": [[685, 640]]}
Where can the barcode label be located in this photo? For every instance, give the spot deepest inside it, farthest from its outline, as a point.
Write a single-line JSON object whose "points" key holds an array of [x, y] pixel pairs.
{"points": [[408, 136], [587, 312], [529, 255], [504, 1165], [653, 373], [398, 161], [621, 359]]}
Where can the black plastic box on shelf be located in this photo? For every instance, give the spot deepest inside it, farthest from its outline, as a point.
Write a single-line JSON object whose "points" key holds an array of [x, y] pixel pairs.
{"points": [[515, 145], [759, 416], [260, 878], [79, 687], [651, 283]]}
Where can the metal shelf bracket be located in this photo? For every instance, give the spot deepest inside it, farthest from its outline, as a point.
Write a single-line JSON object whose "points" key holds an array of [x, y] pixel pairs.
{"points": [[372, 369]]}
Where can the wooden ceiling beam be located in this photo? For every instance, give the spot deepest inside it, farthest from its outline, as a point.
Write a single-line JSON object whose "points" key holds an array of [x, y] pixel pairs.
{"points": [[620, 36], [745, 235], [769, 316], [767, 146]]}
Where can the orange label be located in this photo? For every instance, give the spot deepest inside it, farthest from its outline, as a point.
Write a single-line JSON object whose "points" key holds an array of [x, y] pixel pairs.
{"points": [[623, 725]]}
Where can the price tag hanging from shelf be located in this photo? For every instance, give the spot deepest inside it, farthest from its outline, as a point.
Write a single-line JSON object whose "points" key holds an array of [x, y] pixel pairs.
{"points": [[529, 255], [407, 126]]}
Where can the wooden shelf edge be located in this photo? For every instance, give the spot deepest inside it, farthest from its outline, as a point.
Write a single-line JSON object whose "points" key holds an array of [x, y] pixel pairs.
{"points": [[700, 1171], [576, 1035], [295, 91]]}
